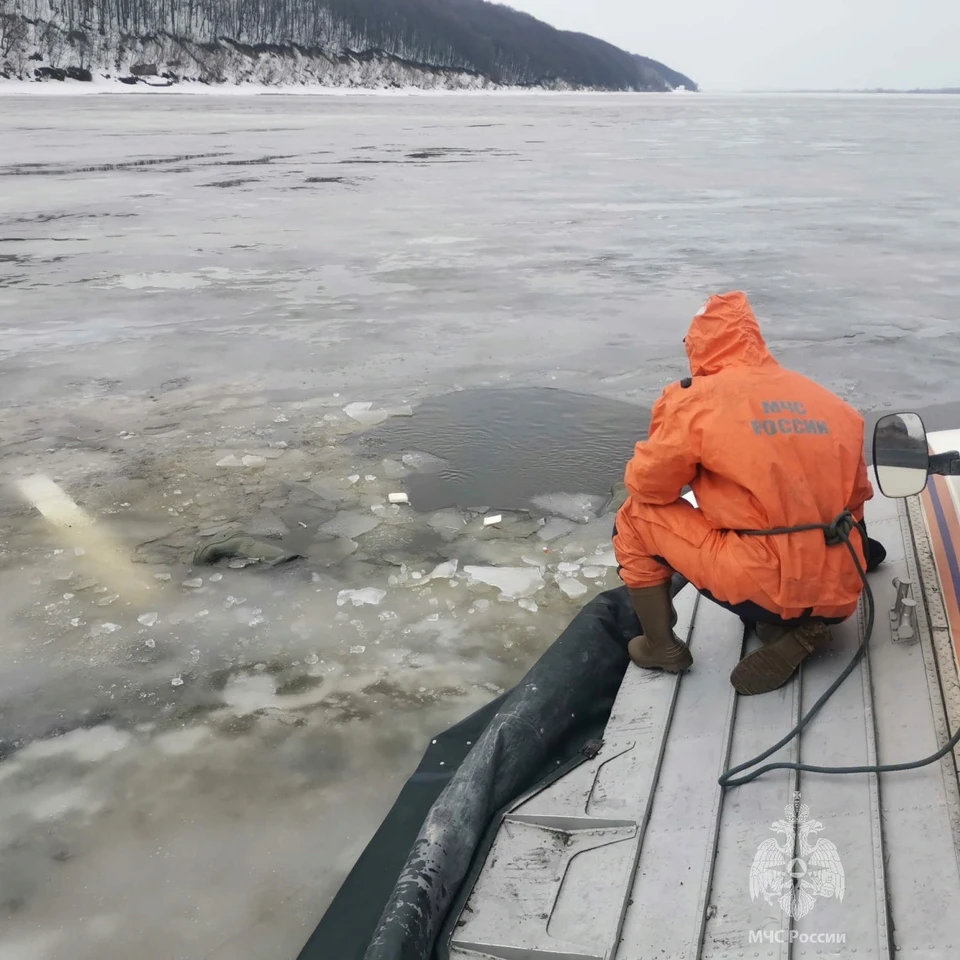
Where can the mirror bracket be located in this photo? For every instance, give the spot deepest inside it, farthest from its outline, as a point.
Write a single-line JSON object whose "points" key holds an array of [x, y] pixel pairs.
{"points": [[945, 464]]}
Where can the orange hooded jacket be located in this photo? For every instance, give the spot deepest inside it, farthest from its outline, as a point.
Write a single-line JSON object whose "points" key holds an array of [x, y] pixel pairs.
{"points": [[761, 447]]}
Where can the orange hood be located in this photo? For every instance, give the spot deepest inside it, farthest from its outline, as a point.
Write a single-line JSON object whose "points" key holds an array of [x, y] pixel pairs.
{"points": [[725, 333]]}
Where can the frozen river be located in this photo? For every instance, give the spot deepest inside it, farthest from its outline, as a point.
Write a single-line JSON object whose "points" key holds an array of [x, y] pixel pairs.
{"points": [[191, 766]]}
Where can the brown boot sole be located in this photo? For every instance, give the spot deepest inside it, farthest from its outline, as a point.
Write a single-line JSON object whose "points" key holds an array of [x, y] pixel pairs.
{"points": [[676, 660], [771, 666]]}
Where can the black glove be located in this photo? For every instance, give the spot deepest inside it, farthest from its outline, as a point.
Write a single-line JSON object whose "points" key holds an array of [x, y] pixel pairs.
{"points": [[875, 555]]}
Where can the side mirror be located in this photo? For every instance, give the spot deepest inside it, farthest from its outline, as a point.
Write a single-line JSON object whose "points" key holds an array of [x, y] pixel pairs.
{"points": [[901, 455]]}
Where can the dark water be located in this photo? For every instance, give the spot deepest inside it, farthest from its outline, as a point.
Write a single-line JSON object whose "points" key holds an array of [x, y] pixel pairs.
{"points": [[504, 447]]}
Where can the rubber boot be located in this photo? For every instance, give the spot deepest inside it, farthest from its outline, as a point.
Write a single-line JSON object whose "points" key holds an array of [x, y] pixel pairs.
{"points": [[657, 648], [772, 665]]}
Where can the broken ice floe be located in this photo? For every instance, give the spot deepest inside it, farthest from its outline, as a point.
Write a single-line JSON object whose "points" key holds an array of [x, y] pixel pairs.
{"points": [[398, 498], [363, 596], [350, 525], [512, 582], [148, 619], [572, 588], [580, 507], [423, 462], [364, 413], [555, 527]]}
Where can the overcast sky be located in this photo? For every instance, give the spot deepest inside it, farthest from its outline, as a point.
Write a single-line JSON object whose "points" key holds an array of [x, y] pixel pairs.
{"points": [[778, 44]]}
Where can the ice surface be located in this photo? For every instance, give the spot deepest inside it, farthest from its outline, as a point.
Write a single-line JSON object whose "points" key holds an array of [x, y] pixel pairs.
{"points": [[512, 582], [202, 373], [350, 524], [363, 596], [580, 507]]}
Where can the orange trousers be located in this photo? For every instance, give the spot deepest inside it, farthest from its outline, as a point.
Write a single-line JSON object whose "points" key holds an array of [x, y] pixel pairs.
{"points": [[652, 541]]}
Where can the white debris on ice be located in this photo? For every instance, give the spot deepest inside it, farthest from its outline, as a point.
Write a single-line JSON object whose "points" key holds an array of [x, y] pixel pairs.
{"points": [[512, 582], [527, 604], [398, 498], [365, 595], [490, 521]]}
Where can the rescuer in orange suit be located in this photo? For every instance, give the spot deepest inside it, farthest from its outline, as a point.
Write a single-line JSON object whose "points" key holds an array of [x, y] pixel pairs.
{"points": [[761, 447]]}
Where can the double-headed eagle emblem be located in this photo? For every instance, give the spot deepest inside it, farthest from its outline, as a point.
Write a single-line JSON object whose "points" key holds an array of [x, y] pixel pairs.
{"points": [[795, 875]]}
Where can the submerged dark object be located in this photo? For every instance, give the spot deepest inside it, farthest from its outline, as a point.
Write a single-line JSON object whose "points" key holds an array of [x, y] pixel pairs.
{"points": [[241, 547], [395, 901]]}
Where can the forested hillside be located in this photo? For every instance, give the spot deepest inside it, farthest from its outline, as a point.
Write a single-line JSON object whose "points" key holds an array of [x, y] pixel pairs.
{"points": [[440, 43]]}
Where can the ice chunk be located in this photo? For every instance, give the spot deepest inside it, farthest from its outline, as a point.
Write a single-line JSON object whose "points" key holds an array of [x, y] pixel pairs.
{"points": [[311, 659], [194, 583], [555, 527], [354, 478], [350, 525], [401, 411], [230, 460], [448, 523], [526, 604], [385, 510], [398, 498], [605, 558], [102, 629], [423, 462], [572, 588], [161, 576], [148, 619], [580, 507], [364, 413], [370, 477], [569, 567], [358, 649], [593, 573], [490, 521], [216, 577], [512, 582], [176, 682], [365, 595], [254, 462], [444, 571]]}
